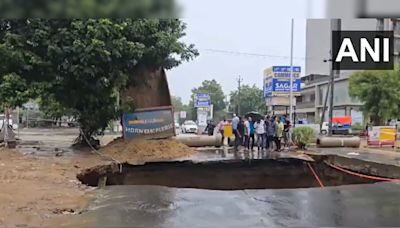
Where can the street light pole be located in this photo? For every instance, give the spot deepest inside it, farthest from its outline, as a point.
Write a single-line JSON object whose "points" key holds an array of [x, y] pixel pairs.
{"points": [[291, 76]]}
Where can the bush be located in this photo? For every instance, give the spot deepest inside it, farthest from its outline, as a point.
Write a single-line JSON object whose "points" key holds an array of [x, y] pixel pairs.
{"points": [[357, 127], [302, 136]]}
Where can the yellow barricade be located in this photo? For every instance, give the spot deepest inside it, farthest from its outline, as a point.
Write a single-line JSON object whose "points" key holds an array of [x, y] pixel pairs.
{"points": [[228, 132]]}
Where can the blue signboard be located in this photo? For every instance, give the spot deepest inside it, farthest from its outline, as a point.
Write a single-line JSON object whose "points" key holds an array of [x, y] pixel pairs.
{"points": [[203, 96], [284, 85], [149, 123], [268, 88], [284, 72], [203, 103], [296, 69], [202, 100]]}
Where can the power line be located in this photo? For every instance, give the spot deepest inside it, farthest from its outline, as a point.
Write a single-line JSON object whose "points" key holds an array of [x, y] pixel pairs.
{"points": [[256, 54], [248, 53]]}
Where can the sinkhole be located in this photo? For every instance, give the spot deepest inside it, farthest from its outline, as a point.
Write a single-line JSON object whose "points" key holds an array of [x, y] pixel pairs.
{"points": [[223, 175]]}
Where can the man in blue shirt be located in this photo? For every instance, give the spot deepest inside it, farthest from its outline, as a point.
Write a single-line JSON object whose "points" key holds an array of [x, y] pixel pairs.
{"points": [[235, 122]]}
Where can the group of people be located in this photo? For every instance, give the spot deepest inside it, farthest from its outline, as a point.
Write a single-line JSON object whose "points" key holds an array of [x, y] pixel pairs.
{"points": [[266, 133]]}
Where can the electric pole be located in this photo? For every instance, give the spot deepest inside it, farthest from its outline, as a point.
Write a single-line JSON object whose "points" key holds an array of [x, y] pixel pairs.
{"points": [[291, 75], [335, 26], [239, 87]]}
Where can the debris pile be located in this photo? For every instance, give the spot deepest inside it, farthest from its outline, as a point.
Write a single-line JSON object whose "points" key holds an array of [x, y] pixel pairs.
{"points": [[142, 150]]}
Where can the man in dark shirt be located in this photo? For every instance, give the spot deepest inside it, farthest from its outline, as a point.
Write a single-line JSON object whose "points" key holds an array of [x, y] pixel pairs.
{"points": [[286, 131], [240, 133], [210, 128]]}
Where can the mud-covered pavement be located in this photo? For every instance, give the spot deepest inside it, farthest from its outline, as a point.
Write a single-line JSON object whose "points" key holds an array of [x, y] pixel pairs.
{"points": [[38, 178]]}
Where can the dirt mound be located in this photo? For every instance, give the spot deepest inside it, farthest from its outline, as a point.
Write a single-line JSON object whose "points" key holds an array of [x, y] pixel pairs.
{"points": [[141, 150]]}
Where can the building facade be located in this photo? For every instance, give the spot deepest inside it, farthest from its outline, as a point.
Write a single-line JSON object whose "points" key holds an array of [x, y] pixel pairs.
{"points": [[314, 85], [392, 24], [314, 93]]}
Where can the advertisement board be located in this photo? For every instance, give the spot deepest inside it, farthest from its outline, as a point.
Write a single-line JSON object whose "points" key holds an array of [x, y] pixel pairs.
{"points": [[202, 118], [282, 72], [201, 103], [382, 135], [279, 101], [149, 123], [202, 100], [277, 81], [281, 87]]}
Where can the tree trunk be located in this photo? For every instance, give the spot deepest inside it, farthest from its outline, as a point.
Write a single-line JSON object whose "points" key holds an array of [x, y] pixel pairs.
{"points": [[6, 123]]}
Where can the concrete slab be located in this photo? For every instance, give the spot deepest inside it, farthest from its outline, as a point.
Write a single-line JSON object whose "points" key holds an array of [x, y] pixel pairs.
{"points": [[227, 153], [152, 206], [373, 155]]}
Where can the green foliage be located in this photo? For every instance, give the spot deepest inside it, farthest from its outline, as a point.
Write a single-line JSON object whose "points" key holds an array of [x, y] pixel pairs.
{"points": [[215, 90], [251, 99], [177, 103], [80, 64], [302, 136], [379, 91], [179, 106], [216, 94], [51, 108], [13, 91], [88, 9], [357, 127]]}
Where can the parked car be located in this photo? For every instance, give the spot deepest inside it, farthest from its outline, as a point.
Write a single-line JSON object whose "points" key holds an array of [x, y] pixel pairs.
{"points": [[189, 126]]}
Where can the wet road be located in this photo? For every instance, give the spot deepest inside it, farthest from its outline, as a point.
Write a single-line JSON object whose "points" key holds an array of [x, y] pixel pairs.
{"points": [[153, 206]]}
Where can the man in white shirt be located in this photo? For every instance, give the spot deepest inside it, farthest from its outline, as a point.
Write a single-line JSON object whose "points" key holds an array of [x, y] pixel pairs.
{"points": [[260, 131]]}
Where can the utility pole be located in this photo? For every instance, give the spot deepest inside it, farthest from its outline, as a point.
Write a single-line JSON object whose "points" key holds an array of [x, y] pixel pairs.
{"points": [[335, 26], [291, 76], [239, 87]]}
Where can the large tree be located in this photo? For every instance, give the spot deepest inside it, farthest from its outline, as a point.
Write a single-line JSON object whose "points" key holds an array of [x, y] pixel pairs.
{"points": [[177, 103], [180, 106], [84, 63], [251, 99], [379, 91], [216, 94]]}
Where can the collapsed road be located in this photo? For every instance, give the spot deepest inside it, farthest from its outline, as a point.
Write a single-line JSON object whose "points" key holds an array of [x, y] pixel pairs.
{"points": [[238, 174], [286, 191]]}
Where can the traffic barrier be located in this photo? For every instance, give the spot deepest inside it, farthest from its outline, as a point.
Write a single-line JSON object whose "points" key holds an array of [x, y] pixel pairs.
{"points": [[382, 136]]}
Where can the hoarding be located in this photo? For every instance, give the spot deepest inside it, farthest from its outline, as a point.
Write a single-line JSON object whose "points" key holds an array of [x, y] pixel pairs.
{"points": [[277, 81], [149, 123], [281, 87], [205, 96], [282, 72], [284, 85], [200, 103], [202, 100], [382, 136], [202, 118]]}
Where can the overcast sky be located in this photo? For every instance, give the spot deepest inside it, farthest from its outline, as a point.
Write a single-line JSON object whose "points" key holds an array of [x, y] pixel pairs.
{"points": [[256, 26]]}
